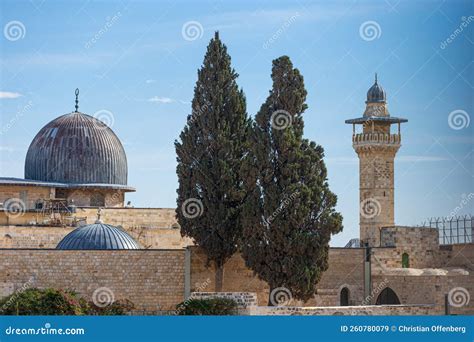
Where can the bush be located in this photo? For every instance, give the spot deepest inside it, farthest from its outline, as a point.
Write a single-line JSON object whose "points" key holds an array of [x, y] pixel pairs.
{"points": [[57, 302], [208, 307]]}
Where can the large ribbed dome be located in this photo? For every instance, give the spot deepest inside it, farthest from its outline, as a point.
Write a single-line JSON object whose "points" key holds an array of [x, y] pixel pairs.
{"points": [[76, 148], [98, 236]]}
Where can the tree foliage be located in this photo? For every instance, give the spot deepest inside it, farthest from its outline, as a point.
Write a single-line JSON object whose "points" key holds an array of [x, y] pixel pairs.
{"points": [[290, 214], [210, 152], [207, 307], [51, 301]]}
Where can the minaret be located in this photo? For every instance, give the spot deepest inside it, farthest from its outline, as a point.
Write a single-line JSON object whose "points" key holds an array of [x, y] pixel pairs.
{"points": [[376, 148]]}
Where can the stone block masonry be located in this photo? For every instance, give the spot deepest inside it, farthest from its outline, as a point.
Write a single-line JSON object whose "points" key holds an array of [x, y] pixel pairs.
{"points": [[346, 269], [151, 279]]}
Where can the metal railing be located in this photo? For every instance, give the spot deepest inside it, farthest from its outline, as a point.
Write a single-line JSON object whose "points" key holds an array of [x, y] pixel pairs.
{"points": [[353, 243], [453, 230], [381, 138]]}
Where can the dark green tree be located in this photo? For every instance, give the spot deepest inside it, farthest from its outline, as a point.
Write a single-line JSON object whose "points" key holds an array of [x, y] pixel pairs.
{"points": [[212, 146], [289, 215]]}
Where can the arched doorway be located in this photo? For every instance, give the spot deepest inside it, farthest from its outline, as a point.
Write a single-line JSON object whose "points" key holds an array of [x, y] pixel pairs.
{"points": [[387, 297], [344, 296]]}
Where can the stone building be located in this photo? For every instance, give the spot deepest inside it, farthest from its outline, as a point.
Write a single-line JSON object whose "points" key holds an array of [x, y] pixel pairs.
{"points": [[376, 148], [139, 254], [75, 160]]}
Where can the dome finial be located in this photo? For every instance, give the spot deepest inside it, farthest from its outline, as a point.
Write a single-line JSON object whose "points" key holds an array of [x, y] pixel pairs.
{"points": [[98, 216], [375, 78], [77, 99]]}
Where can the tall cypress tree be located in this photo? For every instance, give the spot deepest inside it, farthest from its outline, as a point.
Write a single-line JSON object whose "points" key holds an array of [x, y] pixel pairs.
{"points": [[289, 215], [209, 154]]}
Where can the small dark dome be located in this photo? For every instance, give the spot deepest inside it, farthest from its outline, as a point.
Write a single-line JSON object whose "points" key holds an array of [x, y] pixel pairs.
{"points": [[76, 148], [97, 236], [376, 93]]}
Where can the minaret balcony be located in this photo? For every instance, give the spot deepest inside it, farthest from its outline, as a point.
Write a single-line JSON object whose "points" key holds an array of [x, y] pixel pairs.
{"points": [[376, 139]]}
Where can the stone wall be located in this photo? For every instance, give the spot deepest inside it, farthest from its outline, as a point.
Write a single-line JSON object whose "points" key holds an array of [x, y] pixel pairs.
{"points": [[154, 228], [126, 217], [27, 194], [151, 279], [428, 288], [132, 217], [49, 237], [247, 305], [346, 269], [30, 195], [379, 310], [420, 243]]}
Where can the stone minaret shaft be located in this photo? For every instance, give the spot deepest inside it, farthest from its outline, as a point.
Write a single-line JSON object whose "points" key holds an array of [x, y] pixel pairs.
{"points": [[376, 147]]}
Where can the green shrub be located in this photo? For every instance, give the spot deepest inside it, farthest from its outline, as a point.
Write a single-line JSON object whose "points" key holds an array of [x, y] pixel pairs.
{"points": [[210, 307], [57, 302]]}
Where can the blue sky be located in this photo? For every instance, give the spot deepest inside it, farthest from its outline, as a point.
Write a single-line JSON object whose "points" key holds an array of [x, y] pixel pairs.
{"points": [[136, 65]]}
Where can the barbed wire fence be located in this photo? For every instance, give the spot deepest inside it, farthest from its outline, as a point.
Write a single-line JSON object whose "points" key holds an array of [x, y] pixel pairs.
{"points": [[453, 230]]}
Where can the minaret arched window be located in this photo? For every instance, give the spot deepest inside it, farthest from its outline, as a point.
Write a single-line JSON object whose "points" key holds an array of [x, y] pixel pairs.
{"points": [[405, 260]]}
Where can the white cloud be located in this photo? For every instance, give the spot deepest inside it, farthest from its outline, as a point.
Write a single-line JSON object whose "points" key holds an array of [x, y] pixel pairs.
{"points": [[150, 81], [9, 95], [160, 99]]}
